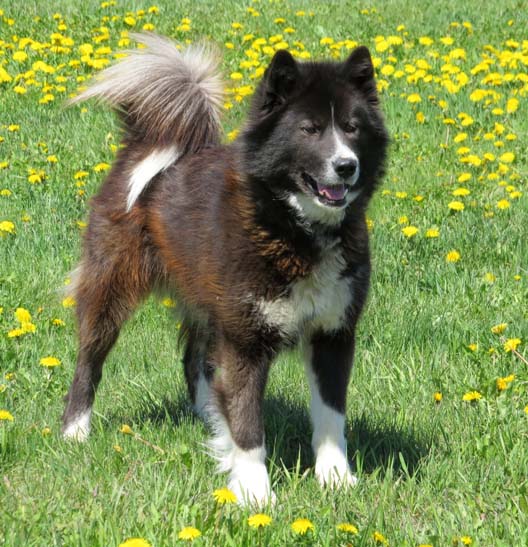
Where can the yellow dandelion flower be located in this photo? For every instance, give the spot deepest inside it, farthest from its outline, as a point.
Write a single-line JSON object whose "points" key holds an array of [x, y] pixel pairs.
{"points": [[464, 177], [348, 528], [5, 415], [22, 315], [512, 105], [20, 56], [69, 302], [7, 227], [511, 344], [58, 322], [50, 362], [472, 396], [135, 542], [34, 178], [456, 206], [453, 256], [259, 520], [500, 328], [425, 41], [28, 327], [224, 496], [466, 540], [507, 157], [414, 98], [503, 204], [189, 533], [432, 233], [420, 117], [103, 166], [410, 231], [477, 95], [380, 538], [489, 277], [301, 526], [437, 397], [461, 192], [126, 429], [45, 431], [460, 137], [4, 75], [504, 383]]}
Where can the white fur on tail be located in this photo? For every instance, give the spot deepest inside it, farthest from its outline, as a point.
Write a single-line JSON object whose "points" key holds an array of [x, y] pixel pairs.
{"points": [[147, 169]]}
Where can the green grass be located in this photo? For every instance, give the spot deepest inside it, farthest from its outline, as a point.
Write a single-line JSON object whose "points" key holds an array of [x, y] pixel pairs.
{"points": [[429, 472]]}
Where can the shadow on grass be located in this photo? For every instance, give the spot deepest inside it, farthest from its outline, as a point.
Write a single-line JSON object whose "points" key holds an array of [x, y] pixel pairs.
{"points": [[374, 447]]}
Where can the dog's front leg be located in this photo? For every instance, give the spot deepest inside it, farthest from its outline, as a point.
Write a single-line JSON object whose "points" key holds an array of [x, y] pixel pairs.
{"points": [[328, 360], [238, 386]]}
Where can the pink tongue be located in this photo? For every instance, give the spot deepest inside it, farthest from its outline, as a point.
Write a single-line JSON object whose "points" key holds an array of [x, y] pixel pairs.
{"points": [[336, 192]]}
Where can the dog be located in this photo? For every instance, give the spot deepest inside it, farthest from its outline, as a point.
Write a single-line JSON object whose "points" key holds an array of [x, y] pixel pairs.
{"points": [[263, 242]]}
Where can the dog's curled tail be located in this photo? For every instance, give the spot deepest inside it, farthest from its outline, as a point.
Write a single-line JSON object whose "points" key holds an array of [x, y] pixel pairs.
{"points": [[166, 96], [170, 101]]}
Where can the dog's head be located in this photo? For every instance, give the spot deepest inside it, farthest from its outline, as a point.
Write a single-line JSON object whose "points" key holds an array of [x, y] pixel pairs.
{"points": [[316, 135]]}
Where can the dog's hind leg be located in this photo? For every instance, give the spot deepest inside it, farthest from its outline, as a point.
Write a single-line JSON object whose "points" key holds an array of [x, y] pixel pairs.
{"points": [[198, 371], [106, 295]]}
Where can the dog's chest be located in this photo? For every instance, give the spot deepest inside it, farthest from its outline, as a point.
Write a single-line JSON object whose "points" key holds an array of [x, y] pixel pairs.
{"points": [[317, 301]]}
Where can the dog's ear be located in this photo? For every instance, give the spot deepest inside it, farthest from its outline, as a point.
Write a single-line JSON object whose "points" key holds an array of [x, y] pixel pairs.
{"points": [[280, 80], [359, 71]]}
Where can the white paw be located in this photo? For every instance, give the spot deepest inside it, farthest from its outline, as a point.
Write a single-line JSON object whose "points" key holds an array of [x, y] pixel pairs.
{"points": [[78, 429], [252, 491], [248, 478], [332, 469]]}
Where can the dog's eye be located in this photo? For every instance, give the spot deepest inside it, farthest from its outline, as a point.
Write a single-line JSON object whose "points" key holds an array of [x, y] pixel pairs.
{"points": [[349, 127], [310, 129]]}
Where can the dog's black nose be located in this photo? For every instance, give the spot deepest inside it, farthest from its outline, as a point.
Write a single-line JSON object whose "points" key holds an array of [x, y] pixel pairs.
{"points": [[345, 167]]}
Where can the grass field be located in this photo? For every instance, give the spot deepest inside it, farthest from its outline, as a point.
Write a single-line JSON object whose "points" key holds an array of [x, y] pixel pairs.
{"points": [[438, 402]]}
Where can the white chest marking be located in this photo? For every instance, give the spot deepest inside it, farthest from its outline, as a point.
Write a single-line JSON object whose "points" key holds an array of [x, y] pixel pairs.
{"points": [[318, 301]]}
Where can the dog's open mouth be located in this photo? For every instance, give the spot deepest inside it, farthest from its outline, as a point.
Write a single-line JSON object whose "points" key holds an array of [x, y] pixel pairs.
{"points": [[332, 195]]}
